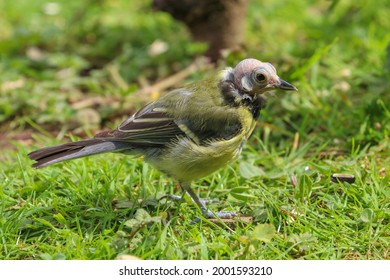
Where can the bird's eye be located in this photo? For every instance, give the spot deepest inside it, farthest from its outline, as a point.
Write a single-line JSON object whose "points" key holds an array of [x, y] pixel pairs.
{"points": [[260, 77]]}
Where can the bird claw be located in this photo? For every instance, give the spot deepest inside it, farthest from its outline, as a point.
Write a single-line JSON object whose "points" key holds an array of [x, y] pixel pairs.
{"points": [[179, 197], [221, 214], [201, 202], [209, 201], [217, 215]]}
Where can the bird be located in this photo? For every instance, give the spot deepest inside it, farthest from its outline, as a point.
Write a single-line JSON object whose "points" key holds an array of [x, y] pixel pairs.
{"points": [[190, 132]]}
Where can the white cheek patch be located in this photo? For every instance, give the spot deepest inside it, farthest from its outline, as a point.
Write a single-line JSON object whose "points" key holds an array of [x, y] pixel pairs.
{"points": [[246, 84]]}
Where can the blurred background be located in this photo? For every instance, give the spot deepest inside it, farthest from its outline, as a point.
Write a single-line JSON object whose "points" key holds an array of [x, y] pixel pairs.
{"points": [[77, 66]]}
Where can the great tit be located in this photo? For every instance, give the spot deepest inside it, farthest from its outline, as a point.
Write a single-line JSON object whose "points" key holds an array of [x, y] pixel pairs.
{"points": [[189, 132]]}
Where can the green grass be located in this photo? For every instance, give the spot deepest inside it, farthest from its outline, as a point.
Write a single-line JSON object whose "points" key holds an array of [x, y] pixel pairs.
{"points": [[100, 207]]}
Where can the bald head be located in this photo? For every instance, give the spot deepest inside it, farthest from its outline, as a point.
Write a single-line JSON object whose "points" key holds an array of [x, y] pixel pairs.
{"points": [[255, 77]]}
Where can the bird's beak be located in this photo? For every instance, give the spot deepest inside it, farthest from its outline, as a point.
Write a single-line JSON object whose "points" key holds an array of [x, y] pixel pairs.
{"points": [[283, 85]]}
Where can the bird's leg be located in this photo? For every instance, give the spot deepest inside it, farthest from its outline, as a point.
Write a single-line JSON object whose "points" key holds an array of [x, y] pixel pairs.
{"points": [[207, 213], [195, 198]]}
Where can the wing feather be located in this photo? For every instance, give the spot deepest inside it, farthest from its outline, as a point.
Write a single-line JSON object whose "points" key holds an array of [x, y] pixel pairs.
{"points": [[150, 126]]}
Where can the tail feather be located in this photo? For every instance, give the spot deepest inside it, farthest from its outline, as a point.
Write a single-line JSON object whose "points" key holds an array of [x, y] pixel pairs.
{"points": [[55, 154]]}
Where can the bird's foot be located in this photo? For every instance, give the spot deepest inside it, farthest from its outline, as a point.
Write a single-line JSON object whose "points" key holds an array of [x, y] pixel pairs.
{"points": [[221, 214], [174, 197], [215, 215]]}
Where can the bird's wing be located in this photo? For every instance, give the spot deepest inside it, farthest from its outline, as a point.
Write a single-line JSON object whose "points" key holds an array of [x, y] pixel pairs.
{"points": [[150, 126]]}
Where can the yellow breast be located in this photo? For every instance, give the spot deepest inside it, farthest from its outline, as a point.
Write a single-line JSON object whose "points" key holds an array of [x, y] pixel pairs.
{"points": [[186, 160]]}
